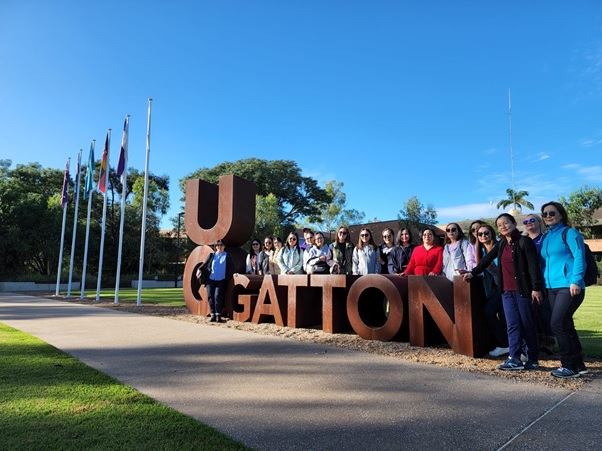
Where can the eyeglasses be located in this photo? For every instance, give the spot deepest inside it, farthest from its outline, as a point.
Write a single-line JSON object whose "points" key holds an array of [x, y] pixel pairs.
{"points": [[530, 221], [484, 233], [364, 234], [551, 214], [451, 230], [342, 232]]}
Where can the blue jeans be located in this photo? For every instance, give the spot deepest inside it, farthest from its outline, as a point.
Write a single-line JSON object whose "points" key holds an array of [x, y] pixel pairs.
{"points": [[215, 293], [520, 319], [563, 308]]}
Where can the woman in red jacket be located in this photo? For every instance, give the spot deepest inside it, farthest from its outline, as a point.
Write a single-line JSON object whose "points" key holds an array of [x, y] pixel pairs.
{"points": [[426, 260]]}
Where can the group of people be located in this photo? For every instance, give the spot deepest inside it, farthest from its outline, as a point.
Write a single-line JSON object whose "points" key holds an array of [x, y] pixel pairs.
{"points": [[533, 283]]}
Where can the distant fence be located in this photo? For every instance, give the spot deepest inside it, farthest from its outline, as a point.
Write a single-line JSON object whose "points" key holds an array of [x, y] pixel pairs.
{"points": [[33, 286]]}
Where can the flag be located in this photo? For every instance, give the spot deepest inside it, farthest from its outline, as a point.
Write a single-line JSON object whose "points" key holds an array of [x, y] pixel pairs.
{"points": [[123, 153], [77, 170], [89, 181], [104, 168], [65, 196]]}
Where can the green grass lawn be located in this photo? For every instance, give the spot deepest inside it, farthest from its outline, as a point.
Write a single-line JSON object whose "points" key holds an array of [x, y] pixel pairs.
{"points": [[165, 296], [588, 322], [49, 400]]}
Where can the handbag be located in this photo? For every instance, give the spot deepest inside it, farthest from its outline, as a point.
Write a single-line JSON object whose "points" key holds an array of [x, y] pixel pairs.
{"points": [[318, 267]]}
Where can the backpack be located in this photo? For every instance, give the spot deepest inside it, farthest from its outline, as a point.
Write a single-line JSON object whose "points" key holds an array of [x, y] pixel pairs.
{"points": [[591, 268]]}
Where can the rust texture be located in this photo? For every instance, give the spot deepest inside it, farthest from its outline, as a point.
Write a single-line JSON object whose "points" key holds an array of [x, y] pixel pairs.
{"points": [[242, 295], [433, 311], [271, 303], [367, 305], [304, 303], [225, 213], [334, 301]]}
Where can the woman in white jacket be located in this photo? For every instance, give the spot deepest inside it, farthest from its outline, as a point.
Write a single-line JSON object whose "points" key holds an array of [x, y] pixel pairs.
{"points": [[366, 255], [290, 259], [455, 252]]}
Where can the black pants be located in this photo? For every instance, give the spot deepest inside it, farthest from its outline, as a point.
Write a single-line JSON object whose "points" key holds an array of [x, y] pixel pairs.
{"points": [[215, 293], [564, 307], [494, 312]]}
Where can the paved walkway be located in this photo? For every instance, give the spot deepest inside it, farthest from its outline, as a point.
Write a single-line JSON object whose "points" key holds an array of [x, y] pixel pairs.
{"points": [[278, 394]]}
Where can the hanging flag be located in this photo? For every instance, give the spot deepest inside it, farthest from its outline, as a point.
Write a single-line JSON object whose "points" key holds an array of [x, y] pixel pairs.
{"points": [[104, 168], [123, 153], [77, 170], [89, 181], [65, 196]]}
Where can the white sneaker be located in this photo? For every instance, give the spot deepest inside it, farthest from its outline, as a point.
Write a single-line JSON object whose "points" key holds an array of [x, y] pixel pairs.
{"points": [[497, 352]]}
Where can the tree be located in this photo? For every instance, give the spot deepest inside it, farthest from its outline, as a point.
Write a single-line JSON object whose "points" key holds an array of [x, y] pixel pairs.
{"points": [[516, 199], [414, 215], [581, 205], [335, 213], [297, 196]]}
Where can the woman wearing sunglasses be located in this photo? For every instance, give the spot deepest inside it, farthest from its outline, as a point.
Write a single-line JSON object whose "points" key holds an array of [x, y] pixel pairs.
{"points": [[290, 259], [342, 252], [494, 308], [455, 252], [366, 256], [274, 267], [535, 230], [564, 269], [253, 257], [265, 255], [472, 238], [521, 286], [427, 259], [386, 249]]}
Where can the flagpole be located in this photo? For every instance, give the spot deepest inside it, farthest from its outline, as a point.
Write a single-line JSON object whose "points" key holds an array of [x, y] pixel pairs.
{"points": [[143, 233], [122, 170], [88, 193], [64, 205], [104, 213], [76, 196]]}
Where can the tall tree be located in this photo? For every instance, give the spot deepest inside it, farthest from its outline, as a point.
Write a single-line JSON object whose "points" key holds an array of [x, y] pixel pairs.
{"points": [[297, 196], [415, 215], [336, 212], [516, 199], [581, 205]]}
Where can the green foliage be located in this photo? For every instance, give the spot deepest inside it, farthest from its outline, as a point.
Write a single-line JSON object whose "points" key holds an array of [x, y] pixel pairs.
{"points": [[581, 205], [335, 213], [588, 322], [516, 199], [297, 196], [415, 215], [49, 400]]}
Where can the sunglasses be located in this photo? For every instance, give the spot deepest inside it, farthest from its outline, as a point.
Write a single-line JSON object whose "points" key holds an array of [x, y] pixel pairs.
{"points": [[268, 242], [387, 236], [256, 244], [292, 238], [364, 234], [342, 232], [530, 221], [484, 233], [451, 230], [474, 229], [551, 214]]}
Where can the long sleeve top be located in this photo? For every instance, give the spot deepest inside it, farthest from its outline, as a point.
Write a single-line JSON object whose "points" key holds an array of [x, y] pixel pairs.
{"points": [[563, 264], [399, 258], [455, 256], [425, 261], [366, 260], [290, 260]]}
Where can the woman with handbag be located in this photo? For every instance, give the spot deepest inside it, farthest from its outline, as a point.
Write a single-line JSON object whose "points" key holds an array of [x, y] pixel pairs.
{"points": [[320, 257], [455, 252]]}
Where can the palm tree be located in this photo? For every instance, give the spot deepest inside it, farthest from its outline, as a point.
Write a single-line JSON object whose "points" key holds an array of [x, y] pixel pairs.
{"points": [[517, 199]]}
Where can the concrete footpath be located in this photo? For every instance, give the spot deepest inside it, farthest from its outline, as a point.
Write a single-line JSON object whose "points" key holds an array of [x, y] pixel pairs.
{"points": [[279, 394]]}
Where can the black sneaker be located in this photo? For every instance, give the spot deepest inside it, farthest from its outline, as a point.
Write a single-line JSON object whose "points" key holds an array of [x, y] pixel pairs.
{"points": [[218, 319], [212, 320], [565, 373], [511, 364], [531, 365], [582, 369]]}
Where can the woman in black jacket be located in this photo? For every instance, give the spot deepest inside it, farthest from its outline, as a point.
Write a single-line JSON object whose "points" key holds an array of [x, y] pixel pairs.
{"points": [[521, 285]]}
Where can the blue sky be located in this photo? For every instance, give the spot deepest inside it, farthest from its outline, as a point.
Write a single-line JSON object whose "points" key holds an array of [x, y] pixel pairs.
{"points": [[392, 98]]}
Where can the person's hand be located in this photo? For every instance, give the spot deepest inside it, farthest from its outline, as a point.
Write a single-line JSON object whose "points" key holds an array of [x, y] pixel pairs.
{"points": [[537, 296], [467, 275], [575, 290]]}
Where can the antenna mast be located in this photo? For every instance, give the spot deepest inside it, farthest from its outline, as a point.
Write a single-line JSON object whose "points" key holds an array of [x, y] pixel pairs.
{"points": [[511, 151]]}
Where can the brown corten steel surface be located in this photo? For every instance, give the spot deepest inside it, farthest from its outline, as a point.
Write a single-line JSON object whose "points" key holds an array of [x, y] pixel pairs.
{"points": [[455, 310], [271, 303], [242, 295], [224, 213], [366, 306], [334, 301]]}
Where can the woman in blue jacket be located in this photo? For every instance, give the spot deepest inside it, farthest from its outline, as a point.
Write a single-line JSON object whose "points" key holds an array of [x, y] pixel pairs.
{"points": [[563, 270]]}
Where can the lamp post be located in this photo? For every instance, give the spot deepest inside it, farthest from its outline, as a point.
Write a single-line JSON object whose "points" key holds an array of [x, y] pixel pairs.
{"points": [[177, 270]]}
